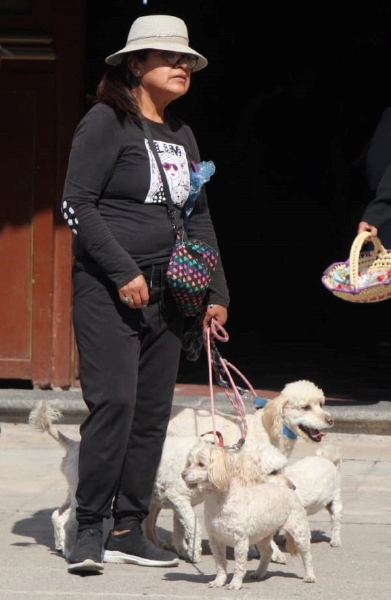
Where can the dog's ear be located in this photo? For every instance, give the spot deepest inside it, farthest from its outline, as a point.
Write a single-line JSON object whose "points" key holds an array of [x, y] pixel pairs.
{"points": [[220, 468], [273, 414], [248, 468]]}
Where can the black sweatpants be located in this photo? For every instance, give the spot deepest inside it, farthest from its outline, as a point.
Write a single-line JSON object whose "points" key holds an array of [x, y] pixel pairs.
{"points": [[128, 368]]}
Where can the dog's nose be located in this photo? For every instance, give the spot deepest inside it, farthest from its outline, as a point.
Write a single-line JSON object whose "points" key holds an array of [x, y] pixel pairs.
{"points": [[330, 421]]}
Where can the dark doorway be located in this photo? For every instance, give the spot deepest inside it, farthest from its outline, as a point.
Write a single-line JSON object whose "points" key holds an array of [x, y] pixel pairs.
{"points": [[285, 109]]}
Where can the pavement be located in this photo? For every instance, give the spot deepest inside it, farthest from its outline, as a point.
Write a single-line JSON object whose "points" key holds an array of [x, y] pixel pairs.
{"points": [[32, 486]]}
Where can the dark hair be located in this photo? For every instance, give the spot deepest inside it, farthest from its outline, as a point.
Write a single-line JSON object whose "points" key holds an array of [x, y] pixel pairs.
{"points": [[113, 89]]}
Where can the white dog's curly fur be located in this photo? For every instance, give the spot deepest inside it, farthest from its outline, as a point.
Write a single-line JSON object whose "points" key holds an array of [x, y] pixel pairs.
{"points": [[299, 407], [238, 513]]}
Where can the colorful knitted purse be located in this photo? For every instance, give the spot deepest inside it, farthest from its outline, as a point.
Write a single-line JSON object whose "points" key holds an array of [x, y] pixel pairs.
{"points": [[189, 274]]}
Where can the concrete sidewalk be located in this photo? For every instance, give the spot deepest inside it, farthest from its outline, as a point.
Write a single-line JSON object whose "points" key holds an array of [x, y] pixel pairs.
{"points": [[32, 486]]}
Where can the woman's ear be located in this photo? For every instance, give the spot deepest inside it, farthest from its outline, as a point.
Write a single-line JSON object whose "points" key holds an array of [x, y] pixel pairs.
{"points": [[133, 66]]}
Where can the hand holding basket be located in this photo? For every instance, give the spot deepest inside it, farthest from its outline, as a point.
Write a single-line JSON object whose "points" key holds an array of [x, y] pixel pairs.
{"points": [[365, 277]]}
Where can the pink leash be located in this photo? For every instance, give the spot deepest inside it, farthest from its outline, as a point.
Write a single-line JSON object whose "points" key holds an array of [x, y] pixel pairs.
{"points": [[219, 366]]}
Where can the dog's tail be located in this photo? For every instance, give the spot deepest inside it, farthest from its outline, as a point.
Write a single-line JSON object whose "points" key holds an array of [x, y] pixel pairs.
{"points": [[42, 417], [291, 544], [332, 453]]}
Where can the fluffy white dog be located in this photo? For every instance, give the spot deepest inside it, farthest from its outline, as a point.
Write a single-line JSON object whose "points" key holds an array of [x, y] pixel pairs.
{"points": [[43, 417], [296, 412], [317, 480], [171, 492], [64, 521], [238, 513]]}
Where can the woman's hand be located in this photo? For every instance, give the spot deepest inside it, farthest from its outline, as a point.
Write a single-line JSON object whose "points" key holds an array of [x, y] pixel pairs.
{"points": [[372, 230], [217, 312], [135, 293]]}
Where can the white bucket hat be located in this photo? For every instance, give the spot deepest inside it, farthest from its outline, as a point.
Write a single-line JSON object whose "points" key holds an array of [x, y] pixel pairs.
{"points": [[158, 32]]}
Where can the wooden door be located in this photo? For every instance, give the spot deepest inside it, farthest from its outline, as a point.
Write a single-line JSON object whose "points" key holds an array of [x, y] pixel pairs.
{"points": [[40, 103], [27, 143]]}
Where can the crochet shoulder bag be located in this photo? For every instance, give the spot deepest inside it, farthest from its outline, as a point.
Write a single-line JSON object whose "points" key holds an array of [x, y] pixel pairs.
{"points": [[192, 263]]}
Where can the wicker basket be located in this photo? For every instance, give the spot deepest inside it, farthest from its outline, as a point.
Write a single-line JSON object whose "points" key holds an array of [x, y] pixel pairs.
{"points": [[373, 267]]}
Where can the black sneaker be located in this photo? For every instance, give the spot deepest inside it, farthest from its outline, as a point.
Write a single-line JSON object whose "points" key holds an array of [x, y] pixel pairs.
{"points": [[87, 553], [132, 548]]}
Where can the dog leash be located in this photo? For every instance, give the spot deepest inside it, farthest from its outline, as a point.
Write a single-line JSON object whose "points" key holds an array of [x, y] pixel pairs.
{"points": [[220, 368]]}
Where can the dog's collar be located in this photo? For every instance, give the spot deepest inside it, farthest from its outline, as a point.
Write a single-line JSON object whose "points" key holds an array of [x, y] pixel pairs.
{"points": [[261, 403], [220, 440]]}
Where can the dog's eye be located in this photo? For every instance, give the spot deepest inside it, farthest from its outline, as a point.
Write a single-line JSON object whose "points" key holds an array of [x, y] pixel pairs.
{"points": [[308, 407]]}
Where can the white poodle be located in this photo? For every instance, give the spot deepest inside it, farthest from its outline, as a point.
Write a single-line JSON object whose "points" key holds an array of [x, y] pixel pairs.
{"points": [[64, 521], [170, 492], [296, 412], [318, 485], [238, 513], [63, 518]]}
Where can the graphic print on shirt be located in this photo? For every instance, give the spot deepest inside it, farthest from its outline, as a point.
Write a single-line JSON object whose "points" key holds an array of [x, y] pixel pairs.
{"points": [[176, 168]]}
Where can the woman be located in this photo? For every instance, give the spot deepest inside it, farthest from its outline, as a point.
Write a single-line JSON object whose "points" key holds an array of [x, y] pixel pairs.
{"points": [[378, 211], [127, 326]]}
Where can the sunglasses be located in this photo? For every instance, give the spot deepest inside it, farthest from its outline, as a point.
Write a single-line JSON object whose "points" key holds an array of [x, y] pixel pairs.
{"points": [[175, 58]]}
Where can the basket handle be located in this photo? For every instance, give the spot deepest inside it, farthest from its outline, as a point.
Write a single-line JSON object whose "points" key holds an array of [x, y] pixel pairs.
{"points": [[355, 254]]}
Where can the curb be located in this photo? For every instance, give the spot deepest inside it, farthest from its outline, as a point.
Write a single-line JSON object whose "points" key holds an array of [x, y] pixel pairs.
{"points": [[349, 417]]}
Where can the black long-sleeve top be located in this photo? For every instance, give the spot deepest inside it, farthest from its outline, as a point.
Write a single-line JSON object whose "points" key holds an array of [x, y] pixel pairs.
{"points": [[114, 202], [378, 211]]}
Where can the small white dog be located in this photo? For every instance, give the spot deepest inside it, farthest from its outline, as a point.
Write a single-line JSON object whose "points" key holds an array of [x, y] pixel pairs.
{"points": [[64, 521], [171, 492], [317, 480], [238, 514], [63, 518], [296, 412]]}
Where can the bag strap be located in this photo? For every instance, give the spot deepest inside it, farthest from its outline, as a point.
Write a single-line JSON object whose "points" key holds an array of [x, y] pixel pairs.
{"points": [[170, 205]]}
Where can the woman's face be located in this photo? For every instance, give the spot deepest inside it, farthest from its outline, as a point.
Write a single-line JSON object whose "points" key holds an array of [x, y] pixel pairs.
{"points": [[163, 73]]}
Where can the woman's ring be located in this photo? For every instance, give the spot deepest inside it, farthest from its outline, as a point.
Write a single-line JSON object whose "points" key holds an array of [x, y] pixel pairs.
{"points": [[126, 299]]}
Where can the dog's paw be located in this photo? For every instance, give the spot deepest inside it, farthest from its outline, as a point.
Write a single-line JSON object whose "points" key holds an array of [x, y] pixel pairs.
{"points": [[258, 576], [336, 543], [234, 585], [218, 582], [278, 557], [253, 552], [309, 579]]}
